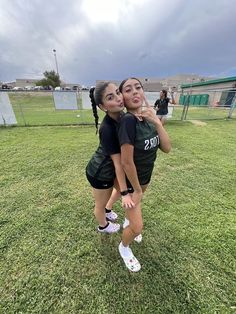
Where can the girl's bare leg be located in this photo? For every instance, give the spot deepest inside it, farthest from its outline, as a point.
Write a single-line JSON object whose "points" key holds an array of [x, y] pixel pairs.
{"points": [[115, 196], [101, 198], [135, 226]]}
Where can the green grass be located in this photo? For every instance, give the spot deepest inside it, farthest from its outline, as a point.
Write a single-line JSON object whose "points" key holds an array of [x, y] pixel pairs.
{"points": [[52, 259], [204, 112], [37, 109]]}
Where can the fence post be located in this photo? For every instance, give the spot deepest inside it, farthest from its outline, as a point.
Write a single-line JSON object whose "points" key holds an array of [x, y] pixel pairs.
{"points": [[22, 114], [185, 109], [231, 110]]}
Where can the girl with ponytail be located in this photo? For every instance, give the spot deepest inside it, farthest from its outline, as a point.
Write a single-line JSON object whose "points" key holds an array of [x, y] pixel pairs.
{"points": [[104, 169]]}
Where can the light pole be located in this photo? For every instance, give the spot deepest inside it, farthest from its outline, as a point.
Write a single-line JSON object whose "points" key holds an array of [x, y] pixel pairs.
{"points": [[55, 55]]}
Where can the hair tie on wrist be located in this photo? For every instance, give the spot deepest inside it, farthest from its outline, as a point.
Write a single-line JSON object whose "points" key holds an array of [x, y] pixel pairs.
{"points": [[123, 193]]}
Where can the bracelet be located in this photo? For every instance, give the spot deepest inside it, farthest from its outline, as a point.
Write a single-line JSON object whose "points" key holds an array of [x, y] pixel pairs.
{"points": [[123, 193]]}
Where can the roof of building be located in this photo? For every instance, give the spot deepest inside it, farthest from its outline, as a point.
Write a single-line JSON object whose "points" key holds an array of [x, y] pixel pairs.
{"points": [[223, 80]]}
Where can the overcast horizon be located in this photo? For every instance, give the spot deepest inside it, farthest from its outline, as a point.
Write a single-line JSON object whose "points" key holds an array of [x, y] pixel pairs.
{"points": [[117, 39]]}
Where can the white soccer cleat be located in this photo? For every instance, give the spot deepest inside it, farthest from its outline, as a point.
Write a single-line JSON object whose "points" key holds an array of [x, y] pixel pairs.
{"points": [[111, 228], [111, 216], [130, 261]]}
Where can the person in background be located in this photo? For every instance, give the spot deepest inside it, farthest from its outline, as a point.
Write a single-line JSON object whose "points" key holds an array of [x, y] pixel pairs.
{"points": [[104, 169], [140, 135], [161, 105]]}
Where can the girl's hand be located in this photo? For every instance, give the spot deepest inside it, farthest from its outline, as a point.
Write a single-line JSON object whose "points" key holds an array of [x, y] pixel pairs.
{"points": [[127, 201], [148, 113]]}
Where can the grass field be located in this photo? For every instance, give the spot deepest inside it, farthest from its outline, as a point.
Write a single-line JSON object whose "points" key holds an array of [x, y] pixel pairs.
{"points": [[52, 259], [37, 109]]}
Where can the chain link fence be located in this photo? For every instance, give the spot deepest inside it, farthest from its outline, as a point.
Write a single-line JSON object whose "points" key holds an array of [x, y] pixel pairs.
{"points": [[38, 108], [208, 104]]}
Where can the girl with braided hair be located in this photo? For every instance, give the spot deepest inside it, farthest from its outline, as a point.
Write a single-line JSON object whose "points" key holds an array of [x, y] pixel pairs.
{"points": [[104, 169]]}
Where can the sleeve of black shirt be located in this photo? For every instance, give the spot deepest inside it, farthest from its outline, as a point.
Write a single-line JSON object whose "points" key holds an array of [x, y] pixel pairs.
{"points": [[109, 140], [127, 129], [156, 103]]}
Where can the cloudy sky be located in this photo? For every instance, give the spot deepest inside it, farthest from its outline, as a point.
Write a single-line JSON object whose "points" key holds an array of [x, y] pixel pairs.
{"points": [[115, 39]]}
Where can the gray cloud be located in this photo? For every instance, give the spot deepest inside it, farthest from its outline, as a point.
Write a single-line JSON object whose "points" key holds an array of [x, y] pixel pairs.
{"points": [[148, 39]]}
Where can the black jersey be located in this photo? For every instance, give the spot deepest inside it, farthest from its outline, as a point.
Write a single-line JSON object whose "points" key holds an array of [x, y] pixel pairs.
{"points": [[162, 104], [143, 136], [101, 165]]}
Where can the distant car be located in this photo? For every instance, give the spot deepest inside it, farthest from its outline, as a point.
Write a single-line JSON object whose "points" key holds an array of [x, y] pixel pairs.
{"points": [[29, 87], [58, 88], [17, 88], [38, 87], [5, 86], [48, 87]]}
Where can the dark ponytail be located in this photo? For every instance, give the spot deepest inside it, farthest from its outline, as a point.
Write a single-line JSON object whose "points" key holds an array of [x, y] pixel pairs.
{"points": [[94, 107], [96, 96]]}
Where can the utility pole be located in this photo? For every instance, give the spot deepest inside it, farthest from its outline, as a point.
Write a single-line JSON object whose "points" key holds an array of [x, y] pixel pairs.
{"points": [[55, 55]]}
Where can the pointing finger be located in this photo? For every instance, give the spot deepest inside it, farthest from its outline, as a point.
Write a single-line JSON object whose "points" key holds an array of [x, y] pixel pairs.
{"points": [[146, 102]]}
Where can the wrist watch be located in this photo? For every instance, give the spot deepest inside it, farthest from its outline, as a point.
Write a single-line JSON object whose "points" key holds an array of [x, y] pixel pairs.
{"points": [[123, 193]]}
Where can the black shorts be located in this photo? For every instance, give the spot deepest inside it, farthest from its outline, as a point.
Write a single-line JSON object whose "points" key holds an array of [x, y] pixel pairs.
{"points": [[130, 188], [97, 184]]}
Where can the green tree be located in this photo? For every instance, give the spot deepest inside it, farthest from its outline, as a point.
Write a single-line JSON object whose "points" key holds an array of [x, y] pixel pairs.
{"points": [[51, 79]]}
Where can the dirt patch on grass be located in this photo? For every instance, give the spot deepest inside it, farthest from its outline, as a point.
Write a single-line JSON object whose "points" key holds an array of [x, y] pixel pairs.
{"points": [[198, 122]]}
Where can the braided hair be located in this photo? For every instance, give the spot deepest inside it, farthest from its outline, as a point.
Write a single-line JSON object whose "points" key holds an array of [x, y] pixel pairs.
{"points": [[96, 97], [94, 107]]}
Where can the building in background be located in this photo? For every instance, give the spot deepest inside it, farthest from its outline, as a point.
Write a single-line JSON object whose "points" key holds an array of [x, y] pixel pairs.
{"points": [[149, 85], [176, 81], [26, 82], [30, 84], [218, 92], [172, 82]]}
